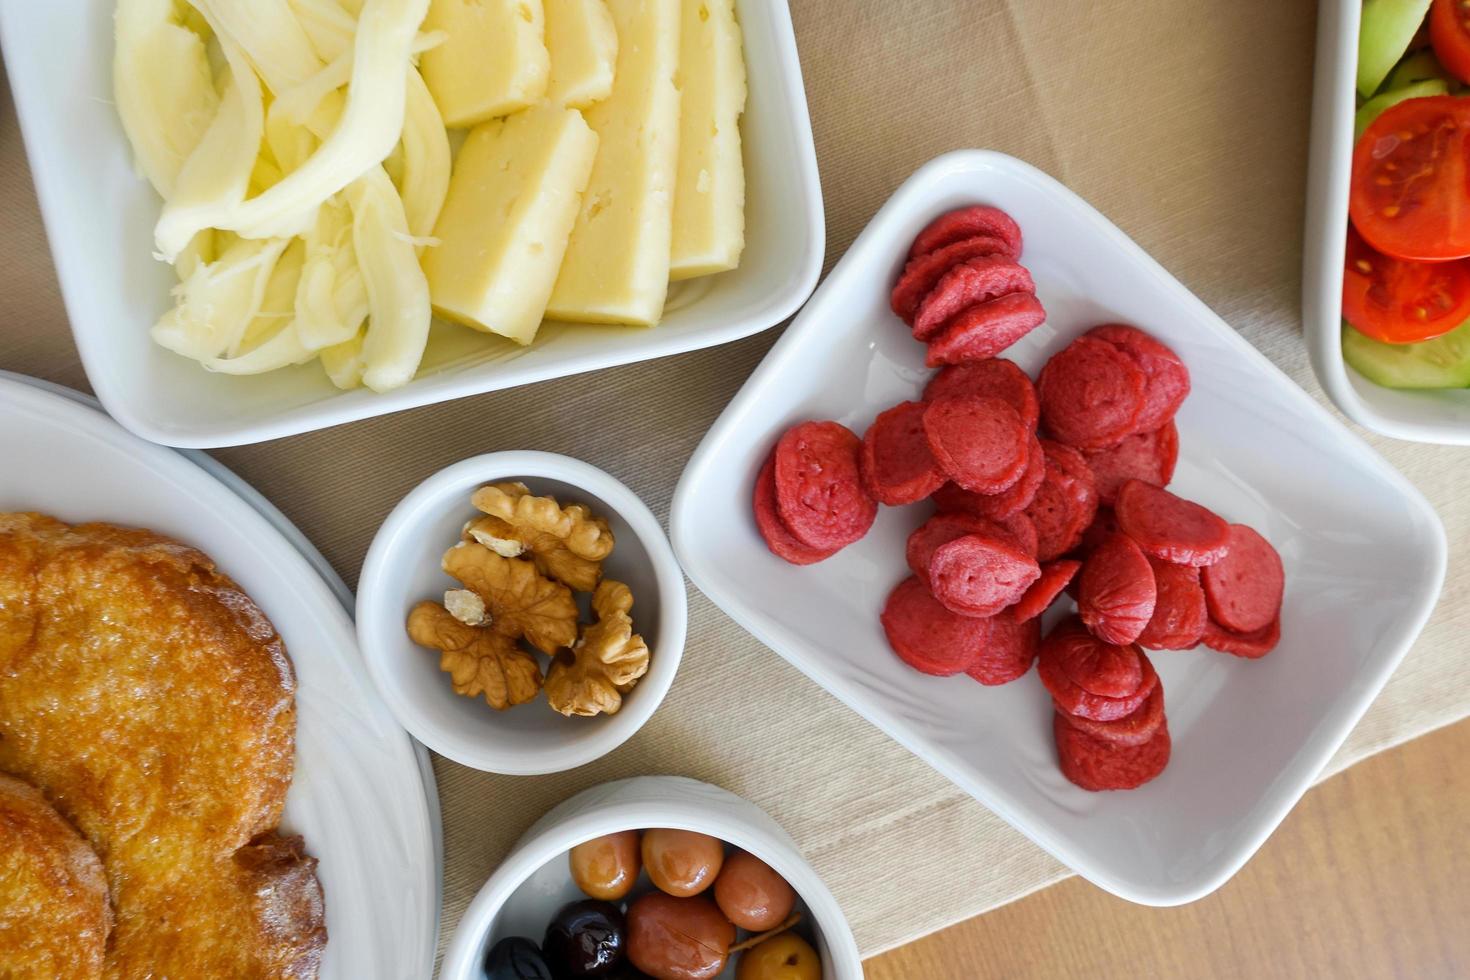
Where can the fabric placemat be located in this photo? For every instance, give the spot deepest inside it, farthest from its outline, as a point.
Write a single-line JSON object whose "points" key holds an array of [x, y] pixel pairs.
{"points": [[1184, 122]]}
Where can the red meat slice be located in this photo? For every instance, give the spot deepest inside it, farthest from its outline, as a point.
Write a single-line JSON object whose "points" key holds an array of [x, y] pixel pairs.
{"points": [[819, 492], [897, 466], [778, 538], [1104, 523], [1116, 591], [1007, 652], [1088, 677], [1170, 527], [1065, 503], [928, 637], [1146, 456], [1022, 531], [964, 285], [941, 529], [1244, 588], [1132, 729], [978, 575], [1179, 616], [1096, 764], [984, 330], [1044, 591], [968, 222], [998, 506], [1251, 646], [1091, 394], [922, 273], [994, 377], [1166, 379], [980, 443]]}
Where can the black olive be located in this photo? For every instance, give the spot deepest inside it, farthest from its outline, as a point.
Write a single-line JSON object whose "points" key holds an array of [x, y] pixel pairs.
{"points": [[586, 939], [516, 958]]}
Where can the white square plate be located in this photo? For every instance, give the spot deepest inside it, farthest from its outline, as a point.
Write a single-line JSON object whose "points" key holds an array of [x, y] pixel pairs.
{"points": [[1364, 552], [99, 217], [1441, 416]]}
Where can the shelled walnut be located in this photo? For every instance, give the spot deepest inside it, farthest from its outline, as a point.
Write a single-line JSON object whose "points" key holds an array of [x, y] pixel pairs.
{"points": [[565, 542], [609, 658], [521, 601], [477, 658]]}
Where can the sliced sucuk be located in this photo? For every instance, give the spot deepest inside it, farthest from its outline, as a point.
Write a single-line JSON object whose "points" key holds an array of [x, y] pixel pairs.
{"points": [[923, 272], [1044, 591], [965, 285], [1116, 591], [778, 538], [1179, 618], [820, 495], [1065, 503], [979, 575], [1243, 590], [1104, 523], [980, 443], [942, 528], [897, 466], [985, 329], [1251, 646], [1166, 379], [998, 506], [1096, 764], [994, 377], [1021, 531], [1170, 527], [928, 637], [1088, 677], [1132, 729], [1008, 652], [1091, 394], [1146, 456], [979, 219]]}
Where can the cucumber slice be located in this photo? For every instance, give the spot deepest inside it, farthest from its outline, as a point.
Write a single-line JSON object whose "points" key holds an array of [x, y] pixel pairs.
{"points": [[1387, 28], [1377, 105], [1421, 66], [1443, 362]]}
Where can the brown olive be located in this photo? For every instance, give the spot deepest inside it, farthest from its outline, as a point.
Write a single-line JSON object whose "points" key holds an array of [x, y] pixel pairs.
{"points": [[606, 867], [678, 938], [751, 894], [682, 862], [783, 957]]}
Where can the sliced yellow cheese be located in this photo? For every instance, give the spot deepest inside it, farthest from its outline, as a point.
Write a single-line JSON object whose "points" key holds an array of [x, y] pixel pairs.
{"points": [[584, 49], [617, 264], [709, 198], [503, 230], [493, 60]]}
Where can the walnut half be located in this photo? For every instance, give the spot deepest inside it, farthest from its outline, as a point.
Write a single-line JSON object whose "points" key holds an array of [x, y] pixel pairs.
{"points": [[477, 659], [520, 600], [566, 543], [609, 658]]}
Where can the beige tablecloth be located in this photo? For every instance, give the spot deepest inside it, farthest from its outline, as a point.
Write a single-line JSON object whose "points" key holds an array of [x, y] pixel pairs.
{"points": [[1185, 121]]}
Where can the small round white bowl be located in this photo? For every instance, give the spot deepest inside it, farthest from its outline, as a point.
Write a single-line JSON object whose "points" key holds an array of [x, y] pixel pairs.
{"points": [[534, 881], [402, 568]]}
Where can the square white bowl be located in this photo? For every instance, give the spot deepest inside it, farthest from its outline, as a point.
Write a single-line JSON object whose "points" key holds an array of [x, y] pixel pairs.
{"points": [[1441, 416], [99, 216], [1364, 552]]}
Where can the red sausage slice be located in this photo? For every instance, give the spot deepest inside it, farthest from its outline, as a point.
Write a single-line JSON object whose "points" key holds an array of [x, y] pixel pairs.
{"points": [[1146, 456], [1044, 591], [928, 637], [1022, 531], [1091, 394], [1116, 591], [965, 285], [1131, 729], [1065, 503], [941, 529], [1179, 616], [1078, 670], [897, 466], [1171, 527], [998, 506], [977, 575], [1166, 379], [778, 538], [994, 377], [985, 329], [1244, 588], [1096, 764], [922, 273], [819, 492], [1008, 651], [1251, 646], [979, 443], [979, 219]]}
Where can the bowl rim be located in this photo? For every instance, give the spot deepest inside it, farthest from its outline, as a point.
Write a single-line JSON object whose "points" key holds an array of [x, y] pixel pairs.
{"points": [[425, 501]]}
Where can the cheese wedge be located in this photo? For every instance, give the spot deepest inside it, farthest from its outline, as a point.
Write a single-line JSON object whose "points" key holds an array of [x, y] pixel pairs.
{"points": [[584, 49], [503, 230], [709, 198], [493, 60], [617, 264]]}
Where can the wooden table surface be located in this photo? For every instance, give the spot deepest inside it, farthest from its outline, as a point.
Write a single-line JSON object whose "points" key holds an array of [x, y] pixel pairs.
{"points": [[1368, 877]]}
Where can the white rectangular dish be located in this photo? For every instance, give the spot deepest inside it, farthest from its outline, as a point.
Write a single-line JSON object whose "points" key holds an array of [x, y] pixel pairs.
{"points": [[1364, 552], [1441, 416], [99, 217]]}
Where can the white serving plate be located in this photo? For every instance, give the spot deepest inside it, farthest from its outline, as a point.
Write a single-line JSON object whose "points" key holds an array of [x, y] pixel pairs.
{"points": [[1441, 416], [1364, 552], [362, 794], [533, 881], [99, 218]]}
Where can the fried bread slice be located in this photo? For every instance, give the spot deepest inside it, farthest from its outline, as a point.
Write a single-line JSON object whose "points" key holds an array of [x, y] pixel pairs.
{"points": [[155, 704], [54, 916]]}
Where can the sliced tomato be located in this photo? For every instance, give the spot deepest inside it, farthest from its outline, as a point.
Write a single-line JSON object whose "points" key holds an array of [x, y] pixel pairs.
{"points": [[1400, 302], [1410, 197], [1449, 32]]}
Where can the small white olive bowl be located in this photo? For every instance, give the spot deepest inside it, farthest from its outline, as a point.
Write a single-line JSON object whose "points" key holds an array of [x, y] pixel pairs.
{"points": [[403, 568], [534, 880]]}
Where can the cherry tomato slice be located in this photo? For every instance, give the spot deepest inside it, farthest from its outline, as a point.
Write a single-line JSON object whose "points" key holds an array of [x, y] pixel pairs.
{"points": [[1400, 302], [1409, 196], [1449, 32]]}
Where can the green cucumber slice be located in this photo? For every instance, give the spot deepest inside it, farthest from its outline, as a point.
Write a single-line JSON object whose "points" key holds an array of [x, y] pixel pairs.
{"points": [[1421, 66], [1377, 105], [1387, 28], [1443, 362]]}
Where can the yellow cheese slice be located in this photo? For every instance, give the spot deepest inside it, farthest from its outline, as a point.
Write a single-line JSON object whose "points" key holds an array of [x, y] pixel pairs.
{"points": [[493, 60], [709, 198], [584, 48], [503, 230], [617, 264]]}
